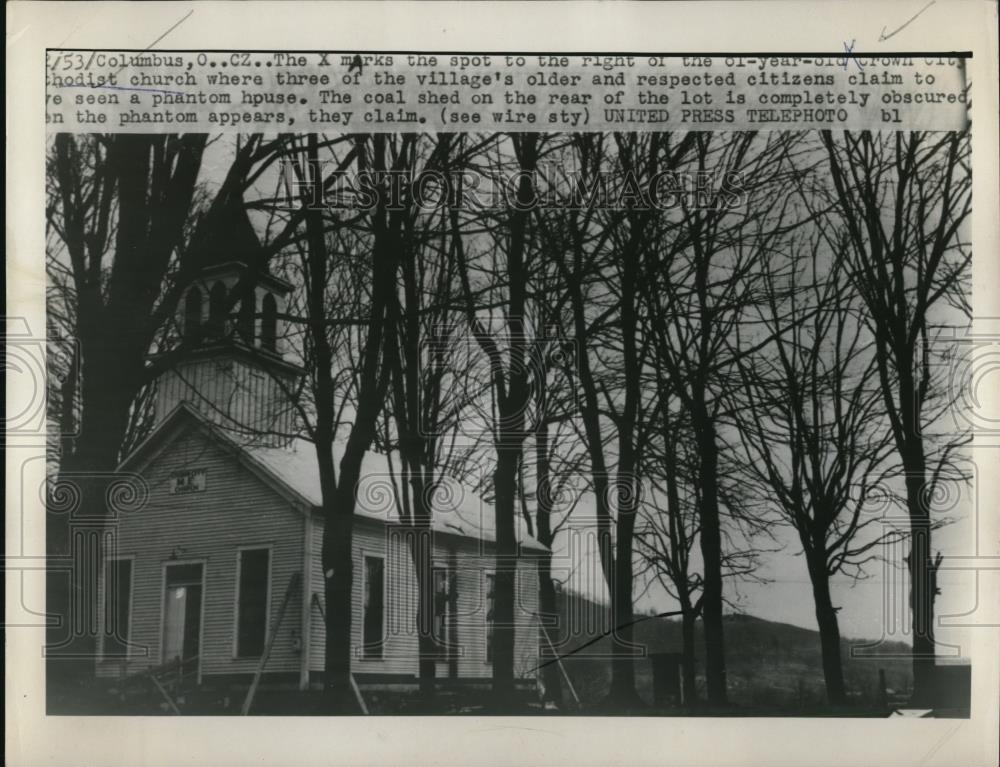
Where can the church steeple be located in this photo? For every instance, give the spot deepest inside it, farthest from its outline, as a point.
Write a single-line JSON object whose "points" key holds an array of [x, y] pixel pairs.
{"points": [[233, 367]]}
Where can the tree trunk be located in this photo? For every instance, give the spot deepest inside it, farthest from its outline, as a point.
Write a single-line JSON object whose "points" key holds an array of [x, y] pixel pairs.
{"points": [[623, 661], [829, 632], [547, 607], [549, 618], [689, 691], [505, 490], [922, 571], [416, 450], [711, 552], [421, 552], [511, 401], [627, 483], [680, 554], [339, 498], [75, 535], [338, 570]]}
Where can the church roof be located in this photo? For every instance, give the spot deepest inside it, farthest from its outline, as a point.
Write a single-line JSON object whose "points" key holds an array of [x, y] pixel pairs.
{"points": [[225, 235], [457, 510]]}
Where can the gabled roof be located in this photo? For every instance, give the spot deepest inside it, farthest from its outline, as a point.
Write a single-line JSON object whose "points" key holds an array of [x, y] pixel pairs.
{"points": [[294, 473]]}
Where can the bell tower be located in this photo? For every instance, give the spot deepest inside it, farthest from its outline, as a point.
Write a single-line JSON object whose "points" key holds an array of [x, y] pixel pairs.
{"points": [[232, 364]]}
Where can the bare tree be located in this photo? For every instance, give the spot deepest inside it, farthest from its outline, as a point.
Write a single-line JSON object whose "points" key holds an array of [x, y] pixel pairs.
{"points": [[117, 209], [373, 260], [903, 200], [428, 396], [813, 428], [557, 456], [670, 523], [509, 377], [603, 250], [668, 532], [699, 286]]}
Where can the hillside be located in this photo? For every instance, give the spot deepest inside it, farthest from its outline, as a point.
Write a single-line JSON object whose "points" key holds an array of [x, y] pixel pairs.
{"points": [[768, 664]]}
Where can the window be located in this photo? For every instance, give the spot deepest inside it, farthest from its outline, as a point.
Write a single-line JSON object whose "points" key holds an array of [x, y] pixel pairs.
{"points": [[192, 312], [269, 323], [217, 310], [247, 316], [374, 619], [117, 603], [490, 606], [443, 587], [251, 611]]}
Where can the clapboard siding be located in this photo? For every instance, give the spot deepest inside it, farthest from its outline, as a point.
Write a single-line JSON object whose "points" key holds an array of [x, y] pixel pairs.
{"points": [[400, 651], [235, 511], [238, 510], [228, 391]]}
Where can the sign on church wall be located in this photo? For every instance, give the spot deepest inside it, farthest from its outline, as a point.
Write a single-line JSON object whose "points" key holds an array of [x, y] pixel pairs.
{"points": [[192, 481]]}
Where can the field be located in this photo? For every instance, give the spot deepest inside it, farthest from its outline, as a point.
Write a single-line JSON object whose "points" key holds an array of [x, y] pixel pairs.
{"points": [[773, 669]]}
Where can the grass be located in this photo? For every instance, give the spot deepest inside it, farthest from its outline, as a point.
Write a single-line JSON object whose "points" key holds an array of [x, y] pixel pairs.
{"points": [[773, 669]]}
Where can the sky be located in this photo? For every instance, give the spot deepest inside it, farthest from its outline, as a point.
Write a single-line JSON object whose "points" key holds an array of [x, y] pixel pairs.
{"points": [[871, 608]]}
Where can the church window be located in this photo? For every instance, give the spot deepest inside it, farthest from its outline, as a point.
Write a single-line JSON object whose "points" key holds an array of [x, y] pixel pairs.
{"points": [[217, 310], [192, 312], [269, 323]]}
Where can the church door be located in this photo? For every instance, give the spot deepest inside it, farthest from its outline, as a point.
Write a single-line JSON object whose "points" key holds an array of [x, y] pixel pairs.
{"points": [[182, 615]]}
